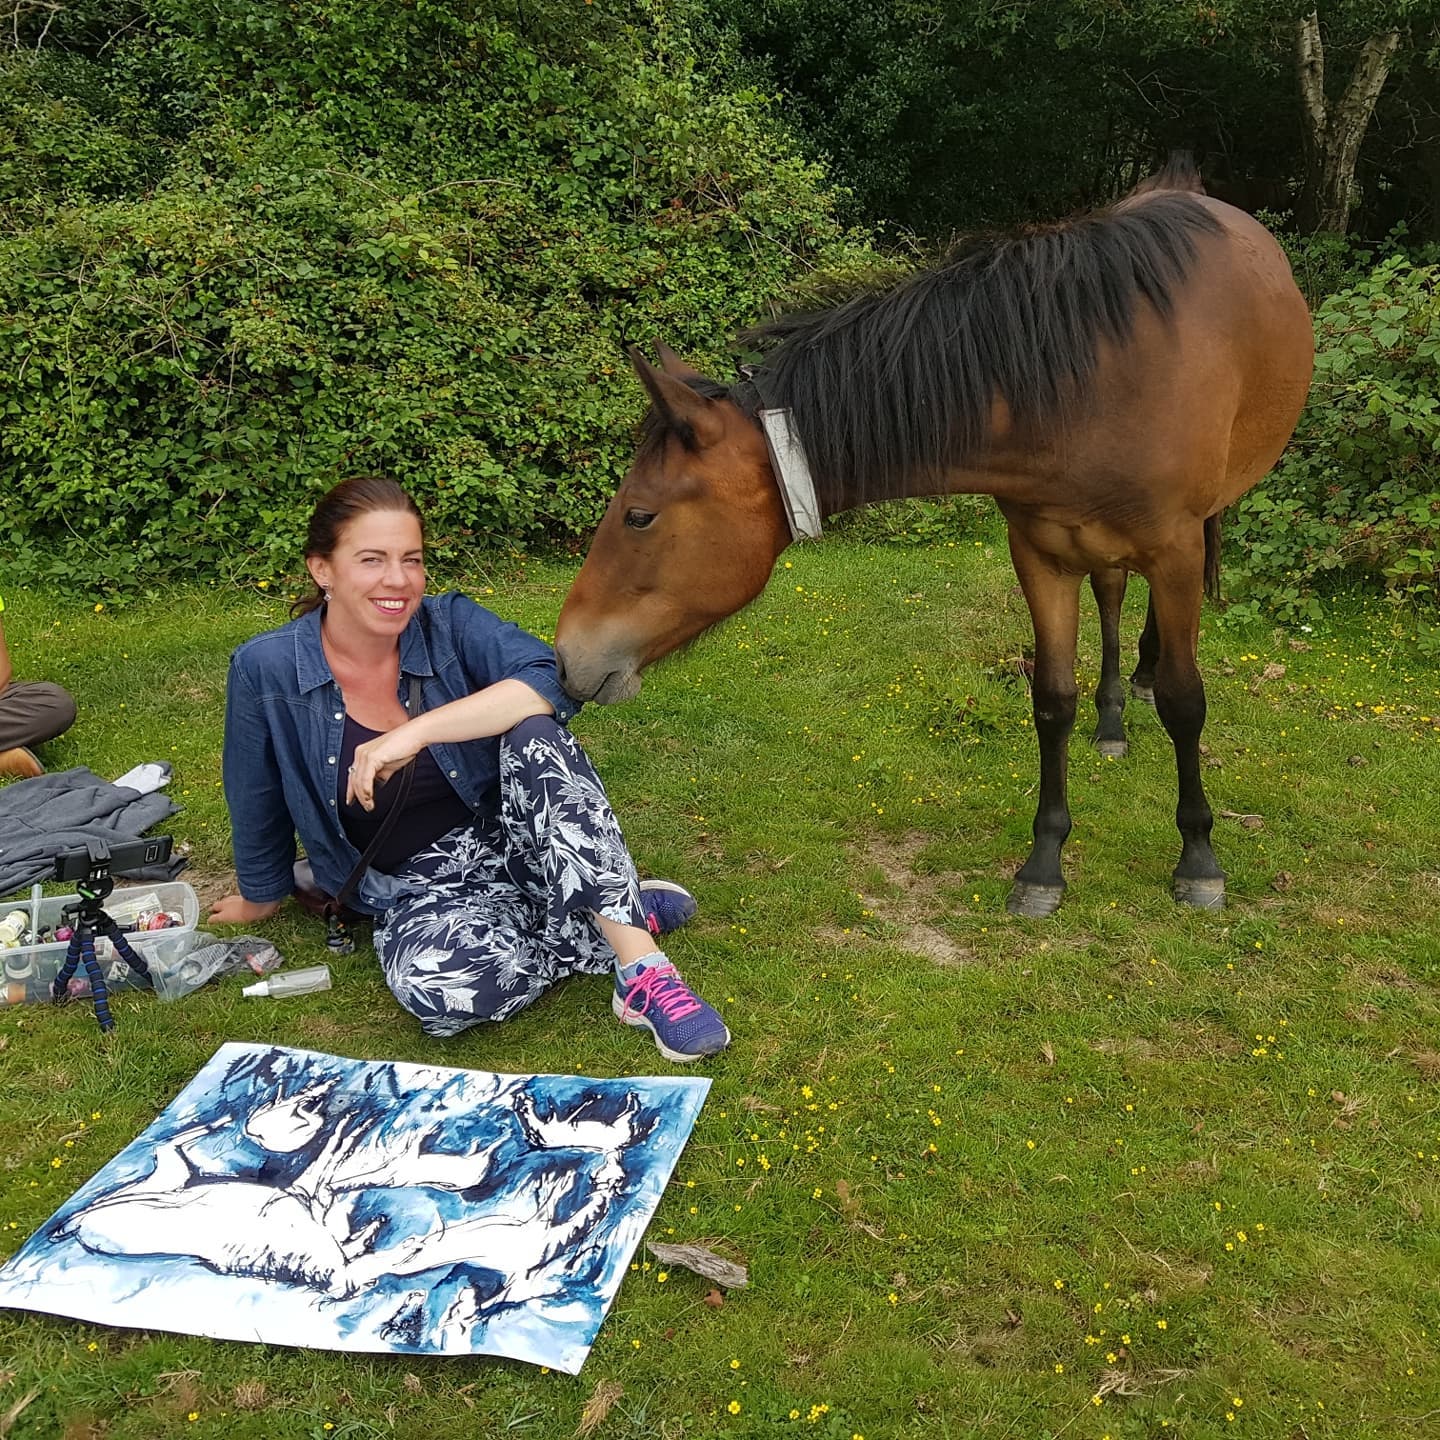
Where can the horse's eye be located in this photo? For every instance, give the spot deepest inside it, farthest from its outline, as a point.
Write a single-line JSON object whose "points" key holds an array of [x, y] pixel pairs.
{"points": [[638, 519]]}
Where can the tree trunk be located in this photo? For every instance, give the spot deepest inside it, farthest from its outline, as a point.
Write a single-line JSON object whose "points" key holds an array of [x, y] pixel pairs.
{"points": [[1333, 132]]}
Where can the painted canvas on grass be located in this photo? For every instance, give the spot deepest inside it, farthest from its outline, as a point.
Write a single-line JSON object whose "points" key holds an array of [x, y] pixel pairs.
{"points": [[304, 1199]]}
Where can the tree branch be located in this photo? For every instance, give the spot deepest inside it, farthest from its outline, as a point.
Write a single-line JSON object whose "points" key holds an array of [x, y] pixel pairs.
{"points": [[1310, 66], [1371, 71]]}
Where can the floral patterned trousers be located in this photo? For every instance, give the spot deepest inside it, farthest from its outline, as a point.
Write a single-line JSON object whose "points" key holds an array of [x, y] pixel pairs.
{"points": [[500, 909]]}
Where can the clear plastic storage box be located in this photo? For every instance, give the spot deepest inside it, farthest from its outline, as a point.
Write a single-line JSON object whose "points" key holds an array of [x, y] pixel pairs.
{"points": [[30, 970]]}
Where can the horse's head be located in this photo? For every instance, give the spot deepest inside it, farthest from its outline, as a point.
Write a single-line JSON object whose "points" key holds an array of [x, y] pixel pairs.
{"points": [[690, 537]]}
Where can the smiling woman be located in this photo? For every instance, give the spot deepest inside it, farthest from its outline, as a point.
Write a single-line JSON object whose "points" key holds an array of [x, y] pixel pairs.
{"points": [[494, 865]]}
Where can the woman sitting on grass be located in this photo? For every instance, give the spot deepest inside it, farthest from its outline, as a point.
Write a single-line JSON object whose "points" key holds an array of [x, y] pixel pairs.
{"points": [[504, 868]]}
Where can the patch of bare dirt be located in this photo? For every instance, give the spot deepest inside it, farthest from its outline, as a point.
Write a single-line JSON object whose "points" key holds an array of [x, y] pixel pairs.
{"points": [[934, 946], [894, 857], [1393, 979], [908, 899], [989, 1348], [1201, 1172], [209, 886], [1193, 1042]]}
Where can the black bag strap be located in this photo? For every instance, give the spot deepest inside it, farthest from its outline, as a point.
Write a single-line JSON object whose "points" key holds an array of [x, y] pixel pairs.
{"points": [[407, 776]]}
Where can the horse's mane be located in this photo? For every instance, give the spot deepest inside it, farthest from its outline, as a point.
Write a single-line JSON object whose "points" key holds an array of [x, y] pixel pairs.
{"points": [[898, 382]]}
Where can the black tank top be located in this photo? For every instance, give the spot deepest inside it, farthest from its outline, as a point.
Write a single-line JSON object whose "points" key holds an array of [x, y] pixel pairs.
{"points": [[432, 809]]}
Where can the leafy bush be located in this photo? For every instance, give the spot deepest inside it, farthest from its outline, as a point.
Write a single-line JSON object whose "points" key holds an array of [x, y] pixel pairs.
{"points": [[1358, 491], [1323, 263], [1326, 263], [942, 520], [92, 103], [411, 241]]}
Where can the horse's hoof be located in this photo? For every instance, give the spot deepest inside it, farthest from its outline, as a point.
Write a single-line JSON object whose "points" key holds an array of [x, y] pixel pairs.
{"points": [[1143, 693], [1202, 894], [1034, 902], [1113, 749]]}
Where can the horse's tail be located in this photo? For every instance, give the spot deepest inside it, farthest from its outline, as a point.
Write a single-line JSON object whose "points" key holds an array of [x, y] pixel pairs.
{"points": [[1177, 173], [1212, 555]]}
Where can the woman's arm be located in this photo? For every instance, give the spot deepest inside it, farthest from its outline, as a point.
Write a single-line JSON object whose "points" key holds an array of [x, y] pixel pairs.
{"points": [[491, 711], [262, 831]]}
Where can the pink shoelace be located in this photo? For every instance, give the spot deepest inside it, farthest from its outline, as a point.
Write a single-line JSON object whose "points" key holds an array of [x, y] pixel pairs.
{"points": [[662, 986]]}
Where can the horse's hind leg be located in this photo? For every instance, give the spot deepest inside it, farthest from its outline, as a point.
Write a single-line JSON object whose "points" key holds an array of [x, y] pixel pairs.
{"points": [[1054, 600], [1175, 591], [1142, 680], [1109, 588]]}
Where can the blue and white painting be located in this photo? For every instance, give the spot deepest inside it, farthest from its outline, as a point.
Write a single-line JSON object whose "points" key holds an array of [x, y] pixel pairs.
{"points": [[304, 1199]]}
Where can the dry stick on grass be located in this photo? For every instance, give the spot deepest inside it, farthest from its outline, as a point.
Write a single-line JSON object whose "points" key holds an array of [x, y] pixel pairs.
{"points": [[702, 1262], [13, 1413]]}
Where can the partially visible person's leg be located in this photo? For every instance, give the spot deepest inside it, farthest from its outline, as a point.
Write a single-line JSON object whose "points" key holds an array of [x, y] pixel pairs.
{"points": [[567, 853], [502, 910], [562, 833], [31, 712], [466, 947]]}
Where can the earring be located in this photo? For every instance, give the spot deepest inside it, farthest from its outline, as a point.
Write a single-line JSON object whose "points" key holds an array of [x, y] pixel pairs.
{"points": [[325, 593]]}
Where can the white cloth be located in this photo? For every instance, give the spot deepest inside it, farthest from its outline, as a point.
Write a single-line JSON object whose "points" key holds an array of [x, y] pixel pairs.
{"points": [[147, 777]]}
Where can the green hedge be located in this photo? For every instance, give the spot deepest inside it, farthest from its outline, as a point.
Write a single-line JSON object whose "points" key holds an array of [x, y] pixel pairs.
{"points": [[406, 240], [1357, 494], [248, 247]]}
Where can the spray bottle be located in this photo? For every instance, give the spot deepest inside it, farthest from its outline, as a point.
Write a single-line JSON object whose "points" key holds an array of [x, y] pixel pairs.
{"points": [[290, 982]]}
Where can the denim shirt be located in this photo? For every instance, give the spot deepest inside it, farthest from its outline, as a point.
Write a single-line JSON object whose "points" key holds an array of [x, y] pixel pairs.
{"points": [[284, 718]]}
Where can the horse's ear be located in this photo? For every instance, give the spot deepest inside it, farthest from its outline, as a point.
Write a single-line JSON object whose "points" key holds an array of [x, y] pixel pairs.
{"points": [[689, 415], [672, 364]]}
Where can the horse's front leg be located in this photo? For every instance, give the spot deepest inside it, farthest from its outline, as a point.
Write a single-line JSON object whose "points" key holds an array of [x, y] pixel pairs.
{"points": [[1054, 600], [1109, 588], [1175, 593]]}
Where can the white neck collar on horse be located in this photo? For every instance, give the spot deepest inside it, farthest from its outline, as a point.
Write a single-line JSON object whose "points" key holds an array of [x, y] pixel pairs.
{"points": [[792, 474]]}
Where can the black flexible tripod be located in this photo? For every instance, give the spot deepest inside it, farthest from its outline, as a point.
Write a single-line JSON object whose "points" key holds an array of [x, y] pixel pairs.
{"points": [[91, 918]]}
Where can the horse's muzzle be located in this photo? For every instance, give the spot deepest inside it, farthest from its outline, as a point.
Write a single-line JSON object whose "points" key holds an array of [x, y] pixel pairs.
{"points": [[598, 680]]}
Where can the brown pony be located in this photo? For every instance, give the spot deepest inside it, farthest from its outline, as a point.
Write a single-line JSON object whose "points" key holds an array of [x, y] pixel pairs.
{"points": [[1114, 381]]}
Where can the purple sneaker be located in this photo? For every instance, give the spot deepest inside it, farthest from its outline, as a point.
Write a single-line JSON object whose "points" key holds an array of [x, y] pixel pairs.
{"points": [[651, 993], [667, 905]]}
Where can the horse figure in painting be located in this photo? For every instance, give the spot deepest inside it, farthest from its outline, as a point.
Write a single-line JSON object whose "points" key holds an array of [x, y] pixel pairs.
{"points": [[1114, 381]]}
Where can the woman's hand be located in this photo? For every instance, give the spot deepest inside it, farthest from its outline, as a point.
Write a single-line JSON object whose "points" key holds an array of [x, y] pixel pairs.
{"points": [[237, 910], [377, 760]]}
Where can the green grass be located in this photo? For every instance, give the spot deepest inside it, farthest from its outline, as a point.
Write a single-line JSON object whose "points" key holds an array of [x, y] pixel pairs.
{"points": [[965, 1156]]}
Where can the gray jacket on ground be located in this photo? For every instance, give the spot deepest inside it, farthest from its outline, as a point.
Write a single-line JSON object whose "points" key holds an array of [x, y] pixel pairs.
{"points": [[69, 810]]}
